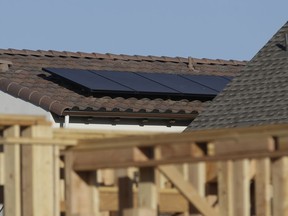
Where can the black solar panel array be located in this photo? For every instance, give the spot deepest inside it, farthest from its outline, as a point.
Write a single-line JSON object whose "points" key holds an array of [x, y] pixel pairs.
{"points": [[143, 83]]}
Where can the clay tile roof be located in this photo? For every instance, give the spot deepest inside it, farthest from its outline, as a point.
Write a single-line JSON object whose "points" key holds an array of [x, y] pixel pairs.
{"points": [[257, 95], [27, 80]]}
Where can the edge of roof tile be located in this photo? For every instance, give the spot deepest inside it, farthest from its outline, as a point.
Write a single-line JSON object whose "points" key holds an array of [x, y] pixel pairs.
{"points": [[33, 97], [53, 53]]}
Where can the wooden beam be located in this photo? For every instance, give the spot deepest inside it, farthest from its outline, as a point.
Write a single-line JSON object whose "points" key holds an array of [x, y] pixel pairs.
{"points": [[241, 188], [38, 175], [188, 137], [244, 144], [82, 195], [169, 200], [37, 140], [84, 160], [225, 188], [187, 190], [12, 174], [22, 120], [263, 187], [280, 186]]}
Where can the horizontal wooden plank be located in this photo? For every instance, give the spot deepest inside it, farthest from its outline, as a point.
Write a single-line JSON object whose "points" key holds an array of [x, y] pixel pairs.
{"points": [[188, 137], [170, 200], [23, 120], [64, 133], [147, 163], [242, 144], [106, 156], [37, 141]]}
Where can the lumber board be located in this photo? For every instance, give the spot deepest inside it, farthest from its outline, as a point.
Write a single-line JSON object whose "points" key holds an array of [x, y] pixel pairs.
{"points": [[263, 187], [38, 170], [170, 200], [94, 158], [12, 187], [140, 212], [225, 186], [125, 191], [280, 186], [23, 120], [147, 189], [244, 144], [68, 133], [144, 162], [37, 140], [241, 188], [192, 137], [187, 190], [82, 196], [2, 165]]}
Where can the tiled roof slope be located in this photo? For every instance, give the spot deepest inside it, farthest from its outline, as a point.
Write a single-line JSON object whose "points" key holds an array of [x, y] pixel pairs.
{"points": [[28, 81], [257, 95]]}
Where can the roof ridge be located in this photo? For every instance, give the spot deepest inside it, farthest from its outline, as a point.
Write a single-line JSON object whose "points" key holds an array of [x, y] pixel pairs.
{"points": [[54, 53]]}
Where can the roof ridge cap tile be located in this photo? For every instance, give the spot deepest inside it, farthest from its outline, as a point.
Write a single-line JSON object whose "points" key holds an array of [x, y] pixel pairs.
{"points": [[32, 96], [54, 53]]}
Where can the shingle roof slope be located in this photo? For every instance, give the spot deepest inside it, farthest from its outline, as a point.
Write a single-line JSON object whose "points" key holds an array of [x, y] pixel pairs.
{"points": [[28, 81], [258, 95]]}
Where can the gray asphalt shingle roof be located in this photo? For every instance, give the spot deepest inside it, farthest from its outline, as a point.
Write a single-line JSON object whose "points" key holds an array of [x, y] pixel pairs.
{"points": [[258, 95]]}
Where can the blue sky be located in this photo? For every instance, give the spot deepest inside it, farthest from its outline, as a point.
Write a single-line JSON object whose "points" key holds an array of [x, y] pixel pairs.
{"points": [[226, 29]]}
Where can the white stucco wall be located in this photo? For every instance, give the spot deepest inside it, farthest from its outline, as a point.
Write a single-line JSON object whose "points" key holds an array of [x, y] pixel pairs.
{"points": [[12, 105]]}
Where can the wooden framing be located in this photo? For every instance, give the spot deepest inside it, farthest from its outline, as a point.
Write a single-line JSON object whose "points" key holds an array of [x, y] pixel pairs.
{"points": [[250, 177]]}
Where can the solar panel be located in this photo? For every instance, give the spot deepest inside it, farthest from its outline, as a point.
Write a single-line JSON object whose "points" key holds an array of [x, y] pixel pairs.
{"points": [[139, 83], [88, 79], [180, 84], [213, 82]]}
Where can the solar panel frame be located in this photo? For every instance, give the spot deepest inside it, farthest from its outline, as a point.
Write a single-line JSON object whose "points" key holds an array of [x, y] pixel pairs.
{"points": [[88, 79], [180, 84], [136, 82], [141, 83], [212, 82]]}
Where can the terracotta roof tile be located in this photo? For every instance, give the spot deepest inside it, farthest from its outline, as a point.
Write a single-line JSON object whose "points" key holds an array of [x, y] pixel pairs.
{"points": [[28, 81]]}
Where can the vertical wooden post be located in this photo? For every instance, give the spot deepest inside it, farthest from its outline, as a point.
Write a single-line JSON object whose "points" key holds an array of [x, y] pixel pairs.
{"points": [[225, 187], [262, 183], [241, 186], [147, 191], [125, 192], [197, 177], [12, 174], [280, 186], [82, 195], [38, 175]]}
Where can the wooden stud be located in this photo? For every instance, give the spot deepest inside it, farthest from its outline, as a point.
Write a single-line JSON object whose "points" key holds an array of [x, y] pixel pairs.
{"points": [[280, 186], [241, 188], [140, 212], [262, 183], [12, 174], [125, 191], [147, 191], [187, 190], [82, 195], [38, 175], [225, 186], [197, 176]]}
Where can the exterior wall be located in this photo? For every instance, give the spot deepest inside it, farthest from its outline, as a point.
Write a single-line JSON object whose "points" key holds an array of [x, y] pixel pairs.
{"points": [[12, 105]]}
